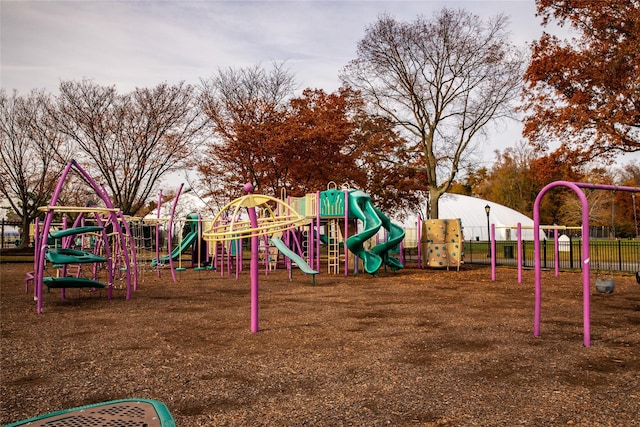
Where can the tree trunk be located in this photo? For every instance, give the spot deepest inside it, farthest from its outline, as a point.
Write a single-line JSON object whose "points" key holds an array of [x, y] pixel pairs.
{"points": [[433, 211], [25, 238]]}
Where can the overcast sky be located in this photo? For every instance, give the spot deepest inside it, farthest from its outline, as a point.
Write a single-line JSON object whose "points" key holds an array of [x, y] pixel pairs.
{"points": [[142, 43]]}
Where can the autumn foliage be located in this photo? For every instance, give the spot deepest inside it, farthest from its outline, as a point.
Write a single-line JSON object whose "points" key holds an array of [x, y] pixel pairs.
{"points": [[584, 93], [300, 146]]}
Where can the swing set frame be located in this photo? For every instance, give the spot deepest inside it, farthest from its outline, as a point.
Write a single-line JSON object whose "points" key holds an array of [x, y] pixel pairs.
{"points": [[586, 261]]}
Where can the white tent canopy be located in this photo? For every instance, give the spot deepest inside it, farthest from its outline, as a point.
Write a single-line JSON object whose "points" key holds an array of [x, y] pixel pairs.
{"points": [[189, 202], [471, 211]]}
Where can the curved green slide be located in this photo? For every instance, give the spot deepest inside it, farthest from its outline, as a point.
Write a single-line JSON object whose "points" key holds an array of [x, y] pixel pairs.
{"points": [[302, 264], [185, 244], [361, 207], [394, 237]]}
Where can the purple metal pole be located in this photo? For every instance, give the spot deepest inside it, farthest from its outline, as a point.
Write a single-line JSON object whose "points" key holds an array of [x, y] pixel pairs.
{"points": [[48, 218], [556, 252], [238, 259], [36, 254], [158, 234], [253, 219], [318, 230], [519, 238], [419, 232], [493, 252], [346, 232], [170, 248], [63, 291]]}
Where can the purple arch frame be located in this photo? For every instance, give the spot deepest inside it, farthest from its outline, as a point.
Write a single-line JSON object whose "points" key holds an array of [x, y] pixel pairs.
{"points": [[115, 218], [586, 268]]}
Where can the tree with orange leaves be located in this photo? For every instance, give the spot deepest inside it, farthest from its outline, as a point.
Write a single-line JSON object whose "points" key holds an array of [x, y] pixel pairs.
{"points": [[585, 92], [266, 136]]}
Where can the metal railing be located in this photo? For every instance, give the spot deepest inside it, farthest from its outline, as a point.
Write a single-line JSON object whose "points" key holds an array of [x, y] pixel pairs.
{"points": [[605, 255]]}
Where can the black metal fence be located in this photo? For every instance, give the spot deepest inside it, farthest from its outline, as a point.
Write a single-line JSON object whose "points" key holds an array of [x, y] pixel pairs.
{"points": [[9, 234], [605, 255]]}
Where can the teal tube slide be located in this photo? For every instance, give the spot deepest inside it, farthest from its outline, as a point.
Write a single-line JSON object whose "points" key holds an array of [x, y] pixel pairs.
{"points": [[186, 243], [302, 264], [395, 235], [361, 207]]}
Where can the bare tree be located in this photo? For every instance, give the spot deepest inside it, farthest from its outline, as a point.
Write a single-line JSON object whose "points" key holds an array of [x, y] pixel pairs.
{"points": [[132, 140], [242, 104], [441, 81], [29, 144]]}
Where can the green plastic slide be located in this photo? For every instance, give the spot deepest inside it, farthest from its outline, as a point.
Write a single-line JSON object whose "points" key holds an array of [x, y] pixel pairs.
{"points": [[302, 264], [361, 207], [394, 237], [186, 243]]}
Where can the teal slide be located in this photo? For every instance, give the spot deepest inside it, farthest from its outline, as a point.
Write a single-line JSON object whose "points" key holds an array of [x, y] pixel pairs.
{"points": [[361, 207], [395, 235], [302, 264], [186, 243]]}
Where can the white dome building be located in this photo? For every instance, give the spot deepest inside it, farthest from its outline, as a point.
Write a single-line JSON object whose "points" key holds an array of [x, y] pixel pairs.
{"points": [[471, 211]]}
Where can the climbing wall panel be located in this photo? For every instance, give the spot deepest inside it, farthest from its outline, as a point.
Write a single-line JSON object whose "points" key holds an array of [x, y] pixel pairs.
{"points": [[443, 243]]}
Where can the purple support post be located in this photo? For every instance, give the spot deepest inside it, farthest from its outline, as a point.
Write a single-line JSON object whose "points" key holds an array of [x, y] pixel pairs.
{"points": [[318, 228], [346, 232], [229, 247], [238, 243], [556, 253], [493, 252], [48, 218], [36, 254], [63, 291], [158, 234], [311, 238], [419, 231], [169, 246], [253, 219], [519, 238]]}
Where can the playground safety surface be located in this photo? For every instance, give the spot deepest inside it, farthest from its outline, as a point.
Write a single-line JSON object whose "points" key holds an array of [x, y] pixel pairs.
{"points": [[416, 347]]}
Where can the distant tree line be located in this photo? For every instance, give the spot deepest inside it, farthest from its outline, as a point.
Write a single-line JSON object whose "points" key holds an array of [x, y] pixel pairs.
{"points": [[416, 104]]}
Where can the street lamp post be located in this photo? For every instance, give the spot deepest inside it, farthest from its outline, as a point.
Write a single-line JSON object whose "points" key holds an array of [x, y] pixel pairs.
{"points": [[487, 209]]}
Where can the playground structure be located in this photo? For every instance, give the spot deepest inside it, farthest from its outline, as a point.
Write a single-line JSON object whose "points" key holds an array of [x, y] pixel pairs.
{"points": [[337, 212], [577, 188], [101, 237], [108, 248], [274, 220], [330, 219]]}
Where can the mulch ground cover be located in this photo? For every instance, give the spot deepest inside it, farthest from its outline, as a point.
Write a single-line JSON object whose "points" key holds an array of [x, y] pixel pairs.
{"points": [[415, 347]]}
